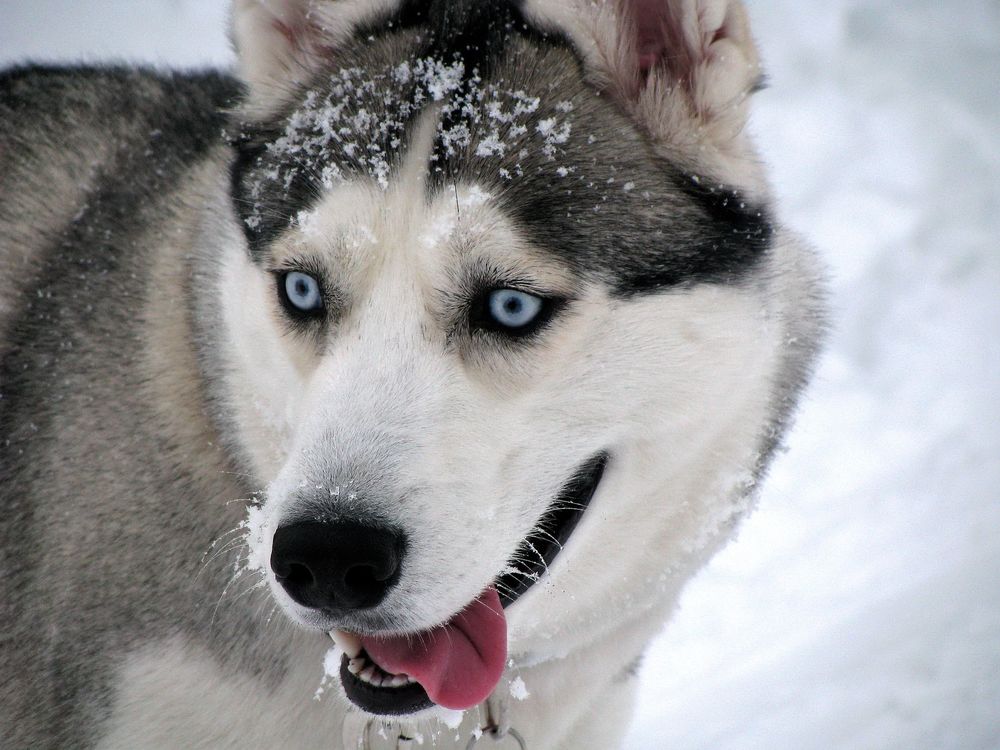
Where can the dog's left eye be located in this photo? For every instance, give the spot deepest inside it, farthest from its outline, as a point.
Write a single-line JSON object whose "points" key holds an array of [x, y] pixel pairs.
{"points": [[300, 292], [511, 312]]}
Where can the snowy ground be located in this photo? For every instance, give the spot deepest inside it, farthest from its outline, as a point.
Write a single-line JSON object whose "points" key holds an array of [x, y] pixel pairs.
{"points": [[860, 607]]}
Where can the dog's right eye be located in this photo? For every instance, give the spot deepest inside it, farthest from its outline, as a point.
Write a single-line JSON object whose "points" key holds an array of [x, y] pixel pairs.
{"points": [[300, 293], [513, 309]]}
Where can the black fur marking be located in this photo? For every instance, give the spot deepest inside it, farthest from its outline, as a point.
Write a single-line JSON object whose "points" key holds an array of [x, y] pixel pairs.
{"points": [[668, 234], [476, 32], [263, 218], [729, 237]]}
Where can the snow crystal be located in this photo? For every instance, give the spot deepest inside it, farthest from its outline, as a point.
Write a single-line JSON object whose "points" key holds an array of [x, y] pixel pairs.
{"points": [[445, 222], [451, 719], [546, 126], [255, 525], [444, 79], [518, 689], [402, 73], [491, 145], [524, 104], [331, 671], [554, 134], [474, 196], [308, 223], [440, 228]]}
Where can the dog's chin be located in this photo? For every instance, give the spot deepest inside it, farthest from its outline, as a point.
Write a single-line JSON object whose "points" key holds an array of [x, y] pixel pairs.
{"points": [[379, 691]]}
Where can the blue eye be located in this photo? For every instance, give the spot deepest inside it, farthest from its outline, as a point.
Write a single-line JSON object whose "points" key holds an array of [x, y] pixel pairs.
{"points": [[512, 313], [302, 291], [512, 309]]}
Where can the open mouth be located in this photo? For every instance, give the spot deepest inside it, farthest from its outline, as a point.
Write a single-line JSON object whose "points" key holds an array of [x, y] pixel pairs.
{"points": [[375, 690], [457, 665], [537, 551]]}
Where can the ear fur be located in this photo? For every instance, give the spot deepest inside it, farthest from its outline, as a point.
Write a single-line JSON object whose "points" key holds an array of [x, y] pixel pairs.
{"points": [[683, 69], [281, 42]]}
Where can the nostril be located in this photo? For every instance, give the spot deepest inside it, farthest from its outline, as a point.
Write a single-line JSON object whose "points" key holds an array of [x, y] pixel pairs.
{"points": [[362, 582], [298, 575]]}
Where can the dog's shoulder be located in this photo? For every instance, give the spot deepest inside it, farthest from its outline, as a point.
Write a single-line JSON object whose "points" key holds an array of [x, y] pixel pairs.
{"points": [[71, 133]]}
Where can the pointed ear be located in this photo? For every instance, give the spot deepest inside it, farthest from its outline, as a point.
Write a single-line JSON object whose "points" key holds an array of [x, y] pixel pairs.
{"points": [[282, 42], [683, 69], [273, 40], [704, 46]]}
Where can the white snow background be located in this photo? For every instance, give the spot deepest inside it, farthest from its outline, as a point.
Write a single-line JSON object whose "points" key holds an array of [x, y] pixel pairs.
{"points": [[860, 606]]}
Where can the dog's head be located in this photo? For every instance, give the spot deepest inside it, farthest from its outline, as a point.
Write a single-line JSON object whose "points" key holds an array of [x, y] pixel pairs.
{"points": [[500, 336]]}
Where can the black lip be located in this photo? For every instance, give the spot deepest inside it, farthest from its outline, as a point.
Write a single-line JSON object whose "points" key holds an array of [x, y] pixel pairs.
{"points": [[382, 701], [537, 551]]}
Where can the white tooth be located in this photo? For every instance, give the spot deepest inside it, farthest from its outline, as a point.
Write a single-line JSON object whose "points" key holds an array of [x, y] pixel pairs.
{"points": [[399, 680], [366, 673], [349, 643], [355, 665]]}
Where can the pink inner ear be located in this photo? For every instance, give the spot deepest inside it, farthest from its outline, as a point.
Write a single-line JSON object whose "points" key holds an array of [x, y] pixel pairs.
{"points": [[650, 53], [650, 18]]}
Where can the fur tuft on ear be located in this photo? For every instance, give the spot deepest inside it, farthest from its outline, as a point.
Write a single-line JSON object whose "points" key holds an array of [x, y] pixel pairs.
{"points": [[282, 42], [703, 45], [683, 69], [273, 41]]}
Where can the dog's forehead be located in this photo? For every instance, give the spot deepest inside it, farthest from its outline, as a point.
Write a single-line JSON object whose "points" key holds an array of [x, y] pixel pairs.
{"points": [[450, 243], [515, 116]]}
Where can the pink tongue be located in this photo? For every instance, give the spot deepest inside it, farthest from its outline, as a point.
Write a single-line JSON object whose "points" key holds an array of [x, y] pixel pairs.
{"points": [[459, 663]]}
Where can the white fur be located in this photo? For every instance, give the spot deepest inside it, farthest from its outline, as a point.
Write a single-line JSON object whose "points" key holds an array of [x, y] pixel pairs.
{"points": [[675, 386]]}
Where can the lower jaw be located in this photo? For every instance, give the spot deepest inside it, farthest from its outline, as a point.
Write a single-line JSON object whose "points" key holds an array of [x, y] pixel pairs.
{"points": [[383, 701]]}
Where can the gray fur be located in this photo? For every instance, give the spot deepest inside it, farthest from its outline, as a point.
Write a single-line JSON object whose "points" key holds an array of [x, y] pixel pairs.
{"points": [[92, 455], [122, 482]]}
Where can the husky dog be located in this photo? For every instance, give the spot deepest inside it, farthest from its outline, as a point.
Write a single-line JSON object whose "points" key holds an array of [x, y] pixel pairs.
{"points": [[460, 333]]}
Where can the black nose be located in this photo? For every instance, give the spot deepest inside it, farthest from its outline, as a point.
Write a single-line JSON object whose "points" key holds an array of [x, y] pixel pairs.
{"points": [[336, 567]]}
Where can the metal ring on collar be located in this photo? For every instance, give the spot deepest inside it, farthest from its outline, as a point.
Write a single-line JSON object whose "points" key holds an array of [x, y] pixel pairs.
{"points": [[473, 741]]}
